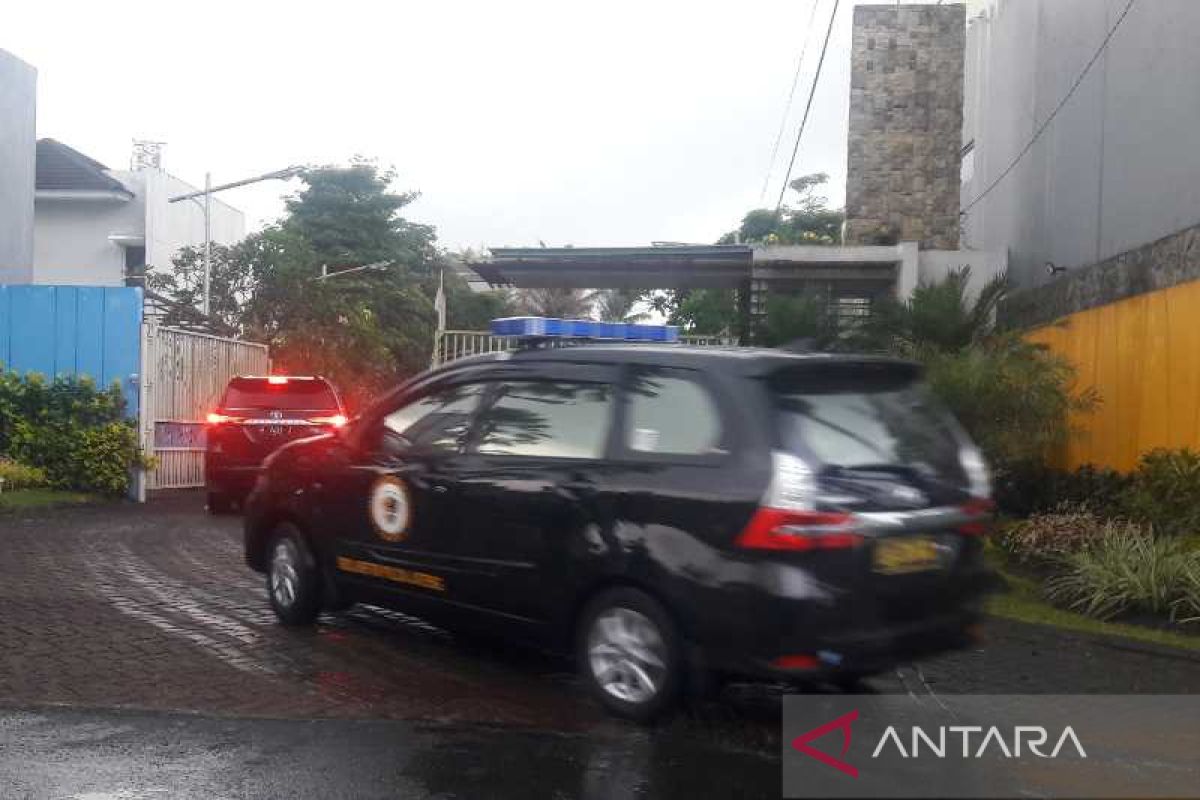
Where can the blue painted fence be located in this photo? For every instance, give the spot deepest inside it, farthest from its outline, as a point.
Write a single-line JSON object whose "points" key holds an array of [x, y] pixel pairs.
{"points": [[74, 330]]}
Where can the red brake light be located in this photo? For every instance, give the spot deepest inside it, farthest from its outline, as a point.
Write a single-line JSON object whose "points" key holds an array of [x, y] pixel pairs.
{"points": [[218, 419], [981, 508], [801, 661], [277, 380], [780, 529], [336, 420]]}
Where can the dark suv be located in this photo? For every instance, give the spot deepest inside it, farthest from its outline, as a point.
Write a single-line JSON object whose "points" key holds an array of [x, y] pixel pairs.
{"points": [[254, 417], [668, 513]]}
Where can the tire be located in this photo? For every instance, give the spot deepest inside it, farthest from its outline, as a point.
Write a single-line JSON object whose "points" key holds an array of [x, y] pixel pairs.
{"points": [[629, 654], [219, 503], [293, 582]]}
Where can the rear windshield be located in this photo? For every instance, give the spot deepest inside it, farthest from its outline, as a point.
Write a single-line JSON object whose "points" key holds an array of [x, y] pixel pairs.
{"points": [[858, 418], [300, 395]]}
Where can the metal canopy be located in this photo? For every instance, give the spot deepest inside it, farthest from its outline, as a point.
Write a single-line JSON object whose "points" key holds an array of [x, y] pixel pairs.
{"points": [[686, 266], [675, 266]]}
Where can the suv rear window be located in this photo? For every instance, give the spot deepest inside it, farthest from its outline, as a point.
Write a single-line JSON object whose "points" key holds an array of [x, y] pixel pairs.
{"points": [[866, 417], [297, 394]]}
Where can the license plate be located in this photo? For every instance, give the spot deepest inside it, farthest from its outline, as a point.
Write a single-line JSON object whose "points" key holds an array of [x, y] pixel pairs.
{"points": [[905, 554]]}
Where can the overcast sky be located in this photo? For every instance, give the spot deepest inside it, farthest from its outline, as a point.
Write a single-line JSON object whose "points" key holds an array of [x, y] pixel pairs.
{"points": [[612, 123]]}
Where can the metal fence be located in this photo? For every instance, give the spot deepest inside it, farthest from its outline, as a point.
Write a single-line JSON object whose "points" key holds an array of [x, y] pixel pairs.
{"points": [[451, 345], [185, 374]]}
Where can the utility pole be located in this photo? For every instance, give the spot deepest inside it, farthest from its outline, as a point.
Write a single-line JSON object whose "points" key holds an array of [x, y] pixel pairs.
{"points": [[207, 193], [207, 243]]}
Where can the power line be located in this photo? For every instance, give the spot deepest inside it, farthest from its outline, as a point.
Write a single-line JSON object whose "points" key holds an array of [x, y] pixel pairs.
{"points": [[787, 109], [1046, 124], [812, 90]]}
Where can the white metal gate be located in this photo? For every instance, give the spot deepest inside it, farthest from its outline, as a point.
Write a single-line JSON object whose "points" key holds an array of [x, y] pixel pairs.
{"points": [[184, 374]]}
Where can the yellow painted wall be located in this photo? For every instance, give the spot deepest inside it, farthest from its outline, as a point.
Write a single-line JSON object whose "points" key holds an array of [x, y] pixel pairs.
{"points": [[1143, 357]]}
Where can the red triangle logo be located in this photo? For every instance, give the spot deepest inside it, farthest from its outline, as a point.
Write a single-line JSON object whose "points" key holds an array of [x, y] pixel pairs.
{"points": [[842, 723]]}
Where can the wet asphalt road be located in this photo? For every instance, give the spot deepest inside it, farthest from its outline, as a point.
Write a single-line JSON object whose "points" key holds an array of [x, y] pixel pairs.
{"points": [[150, 610]]}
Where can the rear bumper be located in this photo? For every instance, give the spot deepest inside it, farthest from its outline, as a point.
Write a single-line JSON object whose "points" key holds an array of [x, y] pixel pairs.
{"points": [[809, 629], [861, 652], [230, 477]]}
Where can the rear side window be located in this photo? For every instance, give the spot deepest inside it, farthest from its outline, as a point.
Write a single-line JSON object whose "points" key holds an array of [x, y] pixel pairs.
{"points": [[549, 419], [870, 419], [295, 394], [671, 413]]}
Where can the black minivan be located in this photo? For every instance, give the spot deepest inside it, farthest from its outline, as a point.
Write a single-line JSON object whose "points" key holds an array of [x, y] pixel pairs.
{"points": [[668, 513], [255, 415]]}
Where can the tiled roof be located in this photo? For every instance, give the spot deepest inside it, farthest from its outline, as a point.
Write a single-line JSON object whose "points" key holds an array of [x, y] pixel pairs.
{"points": [[62, 168]]}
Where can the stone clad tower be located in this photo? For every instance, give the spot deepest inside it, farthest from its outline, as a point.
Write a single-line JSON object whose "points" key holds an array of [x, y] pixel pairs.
{"points": [[906, 106]]}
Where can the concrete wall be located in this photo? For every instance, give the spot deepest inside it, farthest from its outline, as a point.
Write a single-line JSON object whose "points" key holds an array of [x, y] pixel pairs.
{"points": [[171, 226], [72, 245], [1119, 167], [902, 178], [18, 91]]}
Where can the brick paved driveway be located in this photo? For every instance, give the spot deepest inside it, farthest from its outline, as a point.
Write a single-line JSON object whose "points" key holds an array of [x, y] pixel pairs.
{"points": [[152, 607]]}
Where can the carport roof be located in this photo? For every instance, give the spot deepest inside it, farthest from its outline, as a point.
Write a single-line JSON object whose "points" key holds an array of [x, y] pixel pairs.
{"points": [[618, 267], [683, 266]]}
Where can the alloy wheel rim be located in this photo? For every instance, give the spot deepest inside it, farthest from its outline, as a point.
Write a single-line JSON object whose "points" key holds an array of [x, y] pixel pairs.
{"points": [[285, 580], [627, 655]]}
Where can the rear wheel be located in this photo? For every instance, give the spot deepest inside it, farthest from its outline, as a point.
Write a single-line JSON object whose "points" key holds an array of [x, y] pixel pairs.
{"points": [[629, 654], [292, 578]]}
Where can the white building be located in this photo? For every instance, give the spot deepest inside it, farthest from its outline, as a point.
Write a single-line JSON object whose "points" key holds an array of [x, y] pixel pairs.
{"points": [[95, 226], [18, 89]]}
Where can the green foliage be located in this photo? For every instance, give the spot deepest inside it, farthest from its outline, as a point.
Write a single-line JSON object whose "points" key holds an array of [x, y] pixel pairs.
{"points": [[14, 475], [798, 317], [1012, 396], [808, 221], [704, 312], [70, 430], [1126, 570], [467, 310], [940, 316], [1044, 536], [365, 330], [562, 303], [1039, 488], [1164, 491]]}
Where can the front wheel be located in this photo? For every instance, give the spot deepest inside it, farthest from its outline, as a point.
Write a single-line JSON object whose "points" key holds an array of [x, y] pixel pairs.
{"points": [[292, 578], [629, 654]]}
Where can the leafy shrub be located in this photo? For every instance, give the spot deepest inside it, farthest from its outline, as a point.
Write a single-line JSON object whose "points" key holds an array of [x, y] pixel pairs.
{"points": [[73, 431], [20, 476], [1164, 491], [1013, 397], [1047, 536], [1034, 488], [1127, 570]]}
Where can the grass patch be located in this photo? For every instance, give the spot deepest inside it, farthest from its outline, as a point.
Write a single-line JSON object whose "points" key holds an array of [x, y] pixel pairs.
{"points": [[26, 499], [1024, 602]]}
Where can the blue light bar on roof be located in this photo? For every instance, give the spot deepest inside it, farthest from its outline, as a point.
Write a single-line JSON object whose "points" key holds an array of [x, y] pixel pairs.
{"points": [[583, 329]]}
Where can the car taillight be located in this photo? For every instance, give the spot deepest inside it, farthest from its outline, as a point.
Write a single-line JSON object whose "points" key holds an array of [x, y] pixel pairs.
{"points": [[787, 518], [215, 418], [980, 508], [780, 529], [277, 380], [335, 421]]}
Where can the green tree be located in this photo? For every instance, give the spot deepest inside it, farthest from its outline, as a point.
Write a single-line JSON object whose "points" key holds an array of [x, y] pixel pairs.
{"points": [[366, 330], [809, 220]]}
